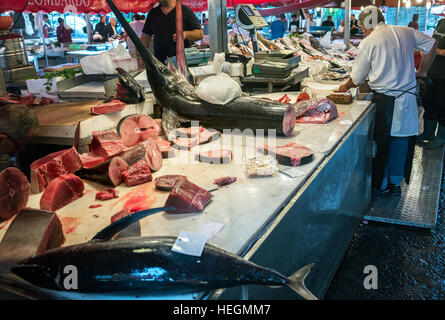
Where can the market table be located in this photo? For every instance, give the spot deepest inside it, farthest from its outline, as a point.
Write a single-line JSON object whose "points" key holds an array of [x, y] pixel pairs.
{"points": [[278, 222], [79, 54]]}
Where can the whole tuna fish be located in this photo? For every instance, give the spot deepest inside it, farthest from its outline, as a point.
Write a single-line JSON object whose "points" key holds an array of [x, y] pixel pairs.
{"points": [[241, 113], [147, 264]]}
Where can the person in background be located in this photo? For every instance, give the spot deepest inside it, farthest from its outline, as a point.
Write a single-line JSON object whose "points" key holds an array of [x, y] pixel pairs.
{"points": [[99, 29], [414, 24], [434, 97], [309, 22], [277, 28], [161, 25], [328, 22], [137, 25], [354, 25], [285, 22], [46, 26], [64, 32], [111, 31], [203, 18], [294, 24], [392, 78], [341, 27]]}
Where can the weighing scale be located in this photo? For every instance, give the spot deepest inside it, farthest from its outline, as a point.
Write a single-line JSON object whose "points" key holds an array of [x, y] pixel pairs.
{"points": [[249, 18]]}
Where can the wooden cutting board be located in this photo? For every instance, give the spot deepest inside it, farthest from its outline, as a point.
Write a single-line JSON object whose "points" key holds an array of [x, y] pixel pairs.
{"points": [[64, 114]]}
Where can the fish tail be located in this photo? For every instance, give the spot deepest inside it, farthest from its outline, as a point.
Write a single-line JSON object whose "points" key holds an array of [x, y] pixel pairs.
{"points": [[296, 283]]}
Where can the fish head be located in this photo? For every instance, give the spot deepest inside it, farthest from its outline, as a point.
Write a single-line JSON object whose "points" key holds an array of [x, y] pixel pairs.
{"points": [[128, 90]]}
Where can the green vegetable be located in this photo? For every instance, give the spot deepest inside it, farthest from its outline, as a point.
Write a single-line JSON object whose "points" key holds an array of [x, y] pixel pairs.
{"points": [[65, 74]]}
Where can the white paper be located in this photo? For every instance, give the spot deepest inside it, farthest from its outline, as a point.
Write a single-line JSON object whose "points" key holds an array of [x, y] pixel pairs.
{"points": [[346, 122], [292, 172], [190, 243], [210, 229]]}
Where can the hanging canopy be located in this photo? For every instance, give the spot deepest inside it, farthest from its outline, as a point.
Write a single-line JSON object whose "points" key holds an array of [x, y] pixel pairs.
{"points": [[126, 6]]}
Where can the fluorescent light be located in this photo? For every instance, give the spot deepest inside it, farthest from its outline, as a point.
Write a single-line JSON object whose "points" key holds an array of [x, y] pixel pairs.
{"points": [[408, 4], [428, 5]]}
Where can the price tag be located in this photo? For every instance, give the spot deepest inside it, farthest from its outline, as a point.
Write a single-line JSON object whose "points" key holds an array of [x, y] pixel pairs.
{"points": [[292, 172], [190, 243]]}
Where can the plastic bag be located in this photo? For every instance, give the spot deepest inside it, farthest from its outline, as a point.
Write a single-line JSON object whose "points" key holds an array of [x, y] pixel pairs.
{"points": [[326, 41], [260, 167], [219, 89], [218, 61], [107, 62]]}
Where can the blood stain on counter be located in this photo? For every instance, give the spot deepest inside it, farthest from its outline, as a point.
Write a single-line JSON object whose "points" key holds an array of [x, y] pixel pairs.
{"points": [[139, 198], [69, 224]]}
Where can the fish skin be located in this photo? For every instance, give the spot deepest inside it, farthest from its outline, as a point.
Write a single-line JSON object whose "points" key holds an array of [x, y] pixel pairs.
{"points": [[241, 113], [148, 264]]}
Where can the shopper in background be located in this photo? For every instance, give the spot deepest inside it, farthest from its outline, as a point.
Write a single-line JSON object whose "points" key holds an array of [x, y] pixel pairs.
{"points": [[328, 22], [341, 27], [277, 28], [64, 32], [99, 29], [434, 97], [392, 78], [414, 24], [294, 24], [161, 24], [46, 26], [354, 25], [309, 22], [111, 31], [137, 25]]}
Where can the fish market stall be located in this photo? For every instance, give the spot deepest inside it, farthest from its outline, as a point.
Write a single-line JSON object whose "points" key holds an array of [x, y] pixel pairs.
{"points": [[281, 222]]}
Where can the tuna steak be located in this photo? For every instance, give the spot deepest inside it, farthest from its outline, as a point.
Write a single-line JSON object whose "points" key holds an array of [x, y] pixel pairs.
{"points": [[61, 191], [137, 174], [106, 144], [14, 192], [187, 197], [290, 154], [166, 183], [109, 107], [107, 194], [136, 128], [52, 166], [215, 156]]}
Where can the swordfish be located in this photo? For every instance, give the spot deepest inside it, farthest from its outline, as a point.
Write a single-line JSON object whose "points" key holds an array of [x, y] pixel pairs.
{"points": [[148, 265], [179, 104]]}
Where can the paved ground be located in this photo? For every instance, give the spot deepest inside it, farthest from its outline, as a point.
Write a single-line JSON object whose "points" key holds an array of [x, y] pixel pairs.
{"points": [[410, 262]]}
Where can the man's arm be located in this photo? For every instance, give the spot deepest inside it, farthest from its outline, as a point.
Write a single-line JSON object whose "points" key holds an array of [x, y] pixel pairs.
{"points": [[345, 87], [440, 52], [147, 41], [427, 59], [194, 35]]}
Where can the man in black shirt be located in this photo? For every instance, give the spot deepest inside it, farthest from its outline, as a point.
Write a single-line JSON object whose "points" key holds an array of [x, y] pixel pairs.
{"points": [[161, 24], [328, 22]]}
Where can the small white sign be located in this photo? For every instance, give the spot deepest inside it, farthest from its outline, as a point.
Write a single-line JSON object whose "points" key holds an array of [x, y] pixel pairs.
{"points": [[190, 243], [346, 122], [292, 172]]}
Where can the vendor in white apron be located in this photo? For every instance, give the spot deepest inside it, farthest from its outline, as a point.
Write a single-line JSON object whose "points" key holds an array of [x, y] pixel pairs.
{"points": [[385, 57]]}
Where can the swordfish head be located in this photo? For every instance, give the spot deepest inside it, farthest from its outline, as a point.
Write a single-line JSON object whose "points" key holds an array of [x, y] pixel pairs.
{"points": [[128, 90]]}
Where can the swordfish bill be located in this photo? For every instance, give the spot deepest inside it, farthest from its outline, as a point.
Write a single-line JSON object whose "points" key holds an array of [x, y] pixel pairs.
{"points": [[147, 265], [241, 113]]}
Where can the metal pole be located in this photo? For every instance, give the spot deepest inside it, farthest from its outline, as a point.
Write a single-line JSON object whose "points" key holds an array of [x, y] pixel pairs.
{"points": [[347, 32], [89, 28], [426, 19], [217, 17], [45, 52], [397, 12]]}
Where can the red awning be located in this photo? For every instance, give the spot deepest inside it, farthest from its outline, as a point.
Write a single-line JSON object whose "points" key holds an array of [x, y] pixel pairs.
{"points": [[98, 6]]}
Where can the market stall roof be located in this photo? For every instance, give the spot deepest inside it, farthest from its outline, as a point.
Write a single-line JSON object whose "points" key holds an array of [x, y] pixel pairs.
{"points": [[98, 6]]}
